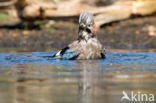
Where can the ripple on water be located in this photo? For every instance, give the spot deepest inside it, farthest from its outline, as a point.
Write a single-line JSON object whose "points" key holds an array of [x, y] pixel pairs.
{"points": [[44, 58]]}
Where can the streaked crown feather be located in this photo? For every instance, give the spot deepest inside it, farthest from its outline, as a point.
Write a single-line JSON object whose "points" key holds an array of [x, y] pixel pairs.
{"points": [[86, 18]]}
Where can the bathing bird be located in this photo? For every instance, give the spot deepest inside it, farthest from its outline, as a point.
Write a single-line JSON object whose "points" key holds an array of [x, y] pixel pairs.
{"points": [[87, 46]]}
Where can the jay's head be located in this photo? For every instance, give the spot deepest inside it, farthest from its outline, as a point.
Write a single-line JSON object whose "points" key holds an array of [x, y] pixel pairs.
{"points": [[86, 26]]}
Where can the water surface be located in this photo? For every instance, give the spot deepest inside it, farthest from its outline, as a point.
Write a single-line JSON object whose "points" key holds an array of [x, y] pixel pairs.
{"points": [[36, 78]]}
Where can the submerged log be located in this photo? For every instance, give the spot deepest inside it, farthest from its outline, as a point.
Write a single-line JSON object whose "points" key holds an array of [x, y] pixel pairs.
{"points": [[122, 9]]}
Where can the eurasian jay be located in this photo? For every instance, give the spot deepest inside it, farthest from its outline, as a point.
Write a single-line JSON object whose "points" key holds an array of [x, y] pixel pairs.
{"points": [[87, 46]]}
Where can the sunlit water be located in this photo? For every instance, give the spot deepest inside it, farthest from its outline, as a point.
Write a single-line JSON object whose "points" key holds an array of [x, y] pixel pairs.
{"points": [[36, 78]]}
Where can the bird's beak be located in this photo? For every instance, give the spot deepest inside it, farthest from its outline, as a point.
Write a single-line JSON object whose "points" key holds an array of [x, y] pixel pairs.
{"points": [[82, 26]]}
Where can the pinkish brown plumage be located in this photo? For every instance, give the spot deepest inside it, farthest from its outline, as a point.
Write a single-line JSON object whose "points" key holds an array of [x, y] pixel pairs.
{"points": [[87, 46]]}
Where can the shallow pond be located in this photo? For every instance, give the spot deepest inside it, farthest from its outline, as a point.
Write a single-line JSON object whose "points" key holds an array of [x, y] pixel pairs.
{"points": [[36, 78]]}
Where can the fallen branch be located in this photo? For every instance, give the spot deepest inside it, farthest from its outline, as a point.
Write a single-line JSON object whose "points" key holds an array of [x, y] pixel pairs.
{"points": [[122, 9], [7, 3]]}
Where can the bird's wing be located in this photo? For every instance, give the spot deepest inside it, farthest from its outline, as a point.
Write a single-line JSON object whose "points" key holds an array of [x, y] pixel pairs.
{"points": [[66, 53], [103, 55]]}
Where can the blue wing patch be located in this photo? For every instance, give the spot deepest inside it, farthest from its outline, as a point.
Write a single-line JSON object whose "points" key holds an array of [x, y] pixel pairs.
{"points": [[66, 53], [69, 54]]}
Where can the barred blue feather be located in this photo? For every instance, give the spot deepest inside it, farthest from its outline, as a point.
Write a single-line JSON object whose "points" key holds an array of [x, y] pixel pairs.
{"points": [[66, 53]]}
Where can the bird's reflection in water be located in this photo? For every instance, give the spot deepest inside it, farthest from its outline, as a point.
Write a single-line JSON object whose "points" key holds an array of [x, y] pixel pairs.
{"points": [[89, 76], [105, 83], [36, 84]]}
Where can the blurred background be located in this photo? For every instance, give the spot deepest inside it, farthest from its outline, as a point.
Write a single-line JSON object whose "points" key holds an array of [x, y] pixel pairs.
{"points": [[45, 25]]}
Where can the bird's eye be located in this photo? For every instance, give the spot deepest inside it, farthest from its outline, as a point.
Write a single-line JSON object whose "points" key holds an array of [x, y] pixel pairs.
{"points": [[89, 25]]}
